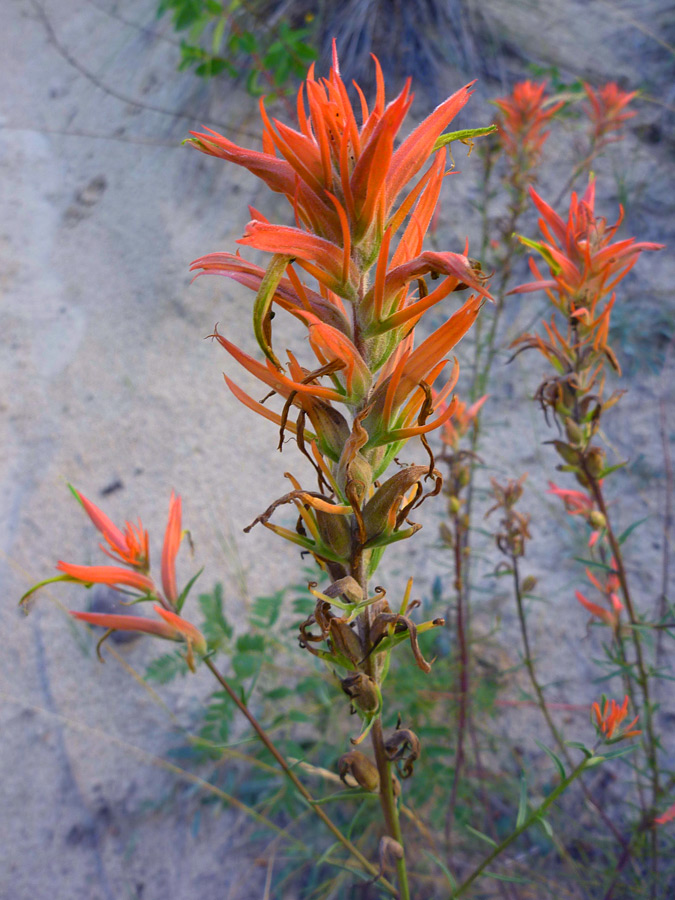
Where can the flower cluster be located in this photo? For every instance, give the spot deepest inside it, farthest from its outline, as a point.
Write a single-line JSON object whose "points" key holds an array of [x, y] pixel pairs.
{"points": [[514, 526], [525, 115], [609, 715], [463, 418], [609, 588], [607, 113], [579, 503], [131, 547], [585, 265], [358, 235]]}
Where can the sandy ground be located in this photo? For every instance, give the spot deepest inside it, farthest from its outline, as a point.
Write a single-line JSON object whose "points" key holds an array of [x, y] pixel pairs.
{"points": [[109, 385]]}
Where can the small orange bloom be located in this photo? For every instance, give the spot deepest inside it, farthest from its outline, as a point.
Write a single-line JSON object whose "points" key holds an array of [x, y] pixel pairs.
{"points": [[525, 114], [606, 111], [610, 716], [131, 547]]}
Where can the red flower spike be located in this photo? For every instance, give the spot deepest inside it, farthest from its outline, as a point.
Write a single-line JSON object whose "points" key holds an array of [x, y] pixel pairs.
{"points": [[351, 193]]}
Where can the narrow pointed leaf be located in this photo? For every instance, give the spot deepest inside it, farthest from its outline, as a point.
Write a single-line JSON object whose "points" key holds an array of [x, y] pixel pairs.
{"points": [[522, 803], [555, 759]]}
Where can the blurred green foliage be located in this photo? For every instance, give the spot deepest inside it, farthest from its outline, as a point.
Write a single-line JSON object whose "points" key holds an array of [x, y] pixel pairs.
{"points": [[235, 39]]}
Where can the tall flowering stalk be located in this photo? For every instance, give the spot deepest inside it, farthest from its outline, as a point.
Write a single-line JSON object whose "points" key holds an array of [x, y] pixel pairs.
{"points": [[360, 221], [586, 262]]}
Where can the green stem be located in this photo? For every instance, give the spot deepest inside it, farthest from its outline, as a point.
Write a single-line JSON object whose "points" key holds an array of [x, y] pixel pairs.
{"points": [[650, 741], [299, 786], [541, 702], [531, 819]]}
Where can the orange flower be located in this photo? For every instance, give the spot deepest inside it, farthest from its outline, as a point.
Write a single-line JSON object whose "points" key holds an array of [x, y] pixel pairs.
{"points": [[579, 504], [131, 546], [172, 628], [132, 549], [586, 265], [349, 191], [525, 114], [331, 168], [172, 539], [609, 716], [609, 589], [606, 111], [463, 417]]}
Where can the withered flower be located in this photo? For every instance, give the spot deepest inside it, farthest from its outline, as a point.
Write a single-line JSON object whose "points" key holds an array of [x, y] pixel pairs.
{"points": [[362, 770], [403, 747]]}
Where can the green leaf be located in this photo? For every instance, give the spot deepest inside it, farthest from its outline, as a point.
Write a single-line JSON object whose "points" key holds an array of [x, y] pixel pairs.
{"points": [[265, 610], [513, 879], [556, 760], [441, 865], [610, 469], [278, 693], [631, 528], [248, 42], [215, 627], [542, 250], [620, 751], [166, 667], [186, 590], [522, 802], [36, 587], [593, 564], [545, 824], [250, 643], [577, 745], [481, 836], [245, 666]]}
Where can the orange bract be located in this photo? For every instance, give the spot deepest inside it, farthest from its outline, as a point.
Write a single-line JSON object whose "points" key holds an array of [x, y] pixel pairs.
{"points": [[610, 716], [606, 111], [525, 115], [349, 190]]}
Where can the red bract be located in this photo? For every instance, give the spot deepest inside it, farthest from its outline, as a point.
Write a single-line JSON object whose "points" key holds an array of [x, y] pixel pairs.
{"points": [[577, 503], [606, 111], [609, 716], [171, 626], [349, 190], [585, 262], [525, 114], [462, 419], [609, 588], [360, 222], [130, 546], [134, 553]]}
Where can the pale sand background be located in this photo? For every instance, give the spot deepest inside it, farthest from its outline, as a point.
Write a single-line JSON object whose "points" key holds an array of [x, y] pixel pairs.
{"points": [[106, 378]]}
